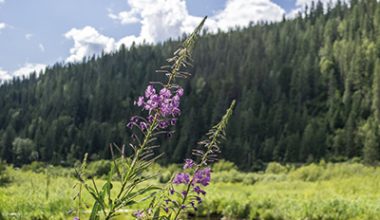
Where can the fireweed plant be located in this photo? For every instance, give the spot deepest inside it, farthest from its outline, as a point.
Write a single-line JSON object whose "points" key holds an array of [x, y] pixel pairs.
{"points": [[185, 189], [161, 104]]}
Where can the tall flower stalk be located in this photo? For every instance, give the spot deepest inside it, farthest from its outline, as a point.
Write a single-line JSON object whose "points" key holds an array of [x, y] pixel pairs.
{"points": [[162, 107], [202, 172], [185, 189]]}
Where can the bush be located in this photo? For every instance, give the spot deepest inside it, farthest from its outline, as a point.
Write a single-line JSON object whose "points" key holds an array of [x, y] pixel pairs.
{"points": [[164, 177], [98, 168], [232, 176], [322, 171], [311, 173], [223, 165], [236, 209], [276, 168], [265, 210], [35, 166], [250, 179]]}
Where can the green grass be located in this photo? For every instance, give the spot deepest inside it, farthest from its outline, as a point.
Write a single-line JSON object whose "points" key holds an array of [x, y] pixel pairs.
{"points": [[323, 191]]}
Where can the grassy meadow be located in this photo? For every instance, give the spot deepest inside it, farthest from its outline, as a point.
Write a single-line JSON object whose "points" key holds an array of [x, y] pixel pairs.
{"points": [[314, 191]]}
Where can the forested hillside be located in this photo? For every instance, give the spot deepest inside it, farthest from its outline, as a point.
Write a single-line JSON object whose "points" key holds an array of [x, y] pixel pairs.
{"points": [[306, 88]]}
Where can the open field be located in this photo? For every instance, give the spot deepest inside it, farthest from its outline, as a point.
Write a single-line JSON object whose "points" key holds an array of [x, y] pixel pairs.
{"points": [[316, 191]]}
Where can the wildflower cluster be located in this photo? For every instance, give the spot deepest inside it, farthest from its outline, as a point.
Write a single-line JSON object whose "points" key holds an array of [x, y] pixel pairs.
{"points": [[163, 108], [193, 183]]}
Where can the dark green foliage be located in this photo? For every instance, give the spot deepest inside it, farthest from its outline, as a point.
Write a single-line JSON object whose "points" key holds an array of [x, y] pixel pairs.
{"points": [[100, 168], [306, 89]]}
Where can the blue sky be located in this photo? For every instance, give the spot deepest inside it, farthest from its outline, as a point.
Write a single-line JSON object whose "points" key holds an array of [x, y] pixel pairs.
{"points": [[37, 33]]}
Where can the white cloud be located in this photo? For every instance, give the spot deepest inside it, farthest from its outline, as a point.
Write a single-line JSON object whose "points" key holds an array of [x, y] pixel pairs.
{"points": [[29, 68], [4, 76], [2, 26], [24, 71], [125, 17], [28, 36], [163, 19], [160, 19], [242, 12], [88, 41], [42, 48], [129, 40]]}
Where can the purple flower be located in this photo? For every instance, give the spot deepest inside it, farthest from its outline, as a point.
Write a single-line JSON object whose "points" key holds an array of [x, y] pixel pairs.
{"points": [[193, 205], [163, 124], [164, 106], [176, 111], [188, 164], [166, 109], [171, 191], [203, 176], [184, 193], [143, 125], [181, 178], [76, 218], [140, 101], [198, 190], [149, 91], [130, 125], [152, 103], [134, 119], [150, 118], [173, 121], [199, 199], [180, 92], [175, 101], [138, 214], [165, 92]]}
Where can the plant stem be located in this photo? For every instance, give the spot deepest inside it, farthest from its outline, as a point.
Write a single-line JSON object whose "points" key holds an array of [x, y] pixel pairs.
{"points": [[134, 162], [219, 128]]}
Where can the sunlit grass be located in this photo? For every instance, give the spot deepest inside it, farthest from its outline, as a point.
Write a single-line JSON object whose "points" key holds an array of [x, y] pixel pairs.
{"points": [[352, 193]]}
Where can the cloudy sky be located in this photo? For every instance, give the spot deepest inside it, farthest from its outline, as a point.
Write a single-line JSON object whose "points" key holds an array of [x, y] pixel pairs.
{"points": [[37, 33]]}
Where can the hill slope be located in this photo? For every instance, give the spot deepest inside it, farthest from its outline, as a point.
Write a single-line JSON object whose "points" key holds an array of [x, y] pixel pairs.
{"points": [[307, 89]]}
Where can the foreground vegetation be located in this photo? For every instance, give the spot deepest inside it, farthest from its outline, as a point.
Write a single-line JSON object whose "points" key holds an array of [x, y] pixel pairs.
{"points": [[314, 191]]}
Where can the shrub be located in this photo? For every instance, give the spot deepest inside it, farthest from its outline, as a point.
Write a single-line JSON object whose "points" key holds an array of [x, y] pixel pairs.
{"points": [[35, 166], [224, 165], [250, 178], [236, 209], [310, 173], [98, 168], [232, 176], [164, 177], [276, 168]]}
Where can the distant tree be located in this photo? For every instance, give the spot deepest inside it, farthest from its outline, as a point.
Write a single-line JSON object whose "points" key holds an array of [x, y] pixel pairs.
{"points": [[24, 150]]}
